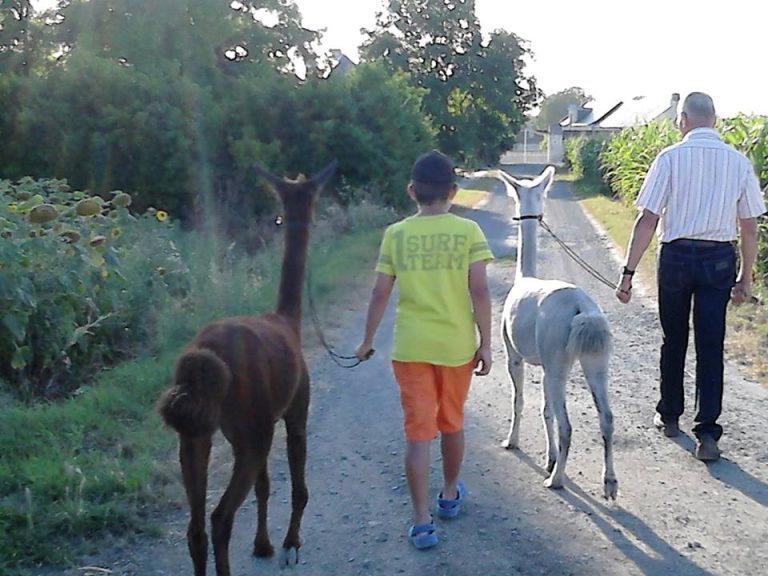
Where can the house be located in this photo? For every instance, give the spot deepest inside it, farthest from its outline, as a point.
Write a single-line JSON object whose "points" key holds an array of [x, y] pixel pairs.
{"points": [[603, 119], [340, 63], [613, 116]]}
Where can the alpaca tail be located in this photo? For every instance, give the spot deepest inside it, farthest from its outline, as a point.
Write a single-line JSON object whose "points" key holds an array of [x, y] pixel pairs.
{"points": [[590, 334], [193, 404]]}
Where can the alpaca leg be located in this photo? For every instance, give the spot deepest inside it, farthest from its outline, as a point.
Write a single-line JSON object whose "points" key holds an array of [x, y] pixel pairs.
{"points": [[193, 455], [596, 372], [262, 547], [549, 424], [296, 432], [516, 369], [555, 386], [243, 478]]}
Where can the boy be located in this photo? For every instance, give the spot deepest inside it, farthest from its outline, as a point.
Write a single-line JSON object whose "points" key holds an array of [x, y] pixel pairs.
{"points": [[439, 261]]}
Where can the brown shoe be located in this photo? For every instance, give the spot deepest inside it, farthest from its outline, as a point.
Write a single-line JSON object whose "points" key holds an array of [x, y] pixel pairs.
{"points": [[707, 450], [670, 429]]}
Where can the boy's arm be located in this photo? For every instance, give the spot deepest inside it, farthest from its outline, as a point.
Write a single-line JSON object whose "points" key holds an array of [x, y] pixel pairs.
{"points": [[382, 289], [481, 304]]}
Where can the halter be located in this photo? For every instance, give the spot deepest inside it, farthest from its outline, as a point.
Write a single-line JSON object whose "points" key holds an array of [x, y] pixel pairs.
{"points": [[528, 217]]}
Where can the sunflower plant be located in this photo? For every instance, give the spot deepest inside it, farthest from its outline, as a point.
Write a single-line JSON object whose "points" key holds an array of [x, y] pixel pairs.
{"points": [[74, 289]]}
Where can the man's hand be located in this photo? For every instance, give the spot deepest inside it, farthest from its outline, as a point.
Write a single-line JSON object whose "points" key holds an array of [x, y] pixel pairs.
{"points": [[483, 361], [624, 289], [741, 292]]}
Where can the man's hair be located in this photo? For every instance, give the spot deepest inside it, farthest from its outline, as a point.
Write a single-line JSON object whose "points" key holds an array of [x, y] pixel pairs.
{"points": [[432, 177], [699, 105]]}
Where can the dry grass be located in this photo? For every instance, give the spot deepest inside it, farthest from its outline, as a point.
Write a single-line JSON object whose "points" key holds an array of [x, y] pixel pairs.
{"points": [[470, 197]]}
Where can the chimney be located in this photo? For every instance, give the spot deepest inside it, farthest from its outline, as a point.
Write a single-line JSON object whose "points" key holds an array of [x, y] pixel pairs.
{"points": [[673, 104], [573, 114]]}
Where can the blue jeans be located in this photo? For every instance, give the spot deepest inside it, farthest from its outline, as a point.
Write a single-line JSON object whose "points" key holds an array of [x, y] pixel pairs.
{"points": [[701, 273]]}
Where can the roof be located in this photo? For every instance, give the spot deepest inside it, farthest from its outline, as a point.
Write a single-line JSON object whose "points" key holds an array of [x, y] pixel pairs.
{"points": [[343, 63], [619, 114]]}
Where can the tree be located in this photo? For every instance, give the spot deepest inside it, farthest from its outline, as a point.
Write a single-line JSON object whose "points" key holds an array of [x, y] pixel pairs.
{"points": [[195, 38], [16, 33], [555, 106], [478, 92]]}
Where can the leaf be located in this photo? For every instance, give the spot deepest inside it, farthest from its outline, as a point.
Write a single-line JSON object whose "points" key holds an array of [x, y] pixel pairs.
{"points": [[26, 297], [21, 358], [16, 326]]}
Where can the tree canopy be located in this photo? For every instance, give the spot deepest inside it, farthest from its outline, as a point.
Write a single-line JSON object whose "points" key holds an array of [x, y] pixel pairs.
{"points": [[172, 101], [478, 91]]}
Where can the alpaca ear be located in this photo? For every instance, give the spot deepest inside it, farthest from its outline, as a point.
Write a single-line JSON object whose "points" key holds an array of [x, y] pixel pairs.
{"points": [[273, 180], [548, 178], [545, 179], [510, 183], [509, 178], [325, 174]]}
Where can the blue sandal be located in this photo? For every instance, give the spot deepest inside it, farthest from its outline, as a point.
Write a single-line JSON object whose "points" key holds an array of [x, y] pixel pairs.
{"points": [[423, 536], [451, 508]]}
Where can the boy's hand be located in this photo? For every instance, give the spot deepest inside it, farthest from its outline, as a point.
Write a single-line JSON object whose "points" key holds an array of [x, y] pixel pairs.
{"points": [[483, 357], [364, 351]]}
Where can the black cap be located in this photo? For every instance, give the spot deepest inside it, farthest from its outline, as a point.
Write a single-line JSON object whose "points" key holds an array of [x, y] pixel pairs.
{"points": [[433, 167]]}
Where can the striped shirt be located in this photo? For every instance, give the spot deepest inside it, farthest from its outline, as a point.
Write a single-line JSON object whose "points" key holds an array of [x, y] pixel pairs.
{"points": [[700, 187]]}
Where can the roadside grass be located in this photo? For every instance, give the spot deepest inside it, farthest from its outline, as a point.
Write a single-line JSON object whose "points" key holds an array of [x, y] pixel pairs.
{"points": [[93, 466], [470, 197], [747, 338]]}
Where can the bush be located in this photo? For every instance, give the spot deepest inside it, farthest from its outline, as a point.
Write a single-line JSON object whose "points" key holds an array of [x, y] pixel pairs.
{"points": [[78, 276], [583, 157]]}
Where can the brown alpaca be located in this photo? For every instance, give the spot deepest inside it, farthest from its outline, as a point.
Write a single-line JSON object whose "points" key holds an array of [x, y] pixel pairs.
{"points": [[242, 375]]}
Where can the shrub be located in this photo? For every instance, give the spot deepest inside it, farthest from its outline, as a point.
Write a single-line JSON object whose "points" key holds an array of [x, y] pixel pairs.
{"points": [[78, 276]]}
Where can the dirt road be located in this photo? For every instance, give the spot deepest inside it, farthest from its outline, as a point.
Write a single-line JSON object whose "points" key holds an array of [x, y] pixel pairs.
{"points": [[674, 515]]}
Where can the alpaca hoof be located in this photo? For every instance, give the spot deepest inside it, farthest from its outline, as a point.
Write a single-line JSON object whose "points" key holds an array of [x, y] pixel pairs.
{"points": [[263, 549], [289, 557], [553, 483], [610, 488], [510, 443]]}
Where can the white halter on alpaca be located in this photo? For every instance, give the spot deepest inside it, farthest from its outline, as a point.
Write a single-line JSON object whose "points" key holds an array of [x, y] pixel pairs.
{"points": [[551, 323]]}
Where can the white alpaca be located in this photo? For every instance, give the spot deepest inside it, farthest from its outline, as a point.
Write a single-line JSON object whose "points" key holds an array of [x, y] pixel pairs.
{"points": [[550, 323]]}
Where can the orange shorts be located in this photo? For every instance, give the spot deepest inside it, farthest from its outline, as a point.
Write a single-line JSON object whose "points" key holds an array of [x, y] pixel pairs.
{"points": [[432, 397]]}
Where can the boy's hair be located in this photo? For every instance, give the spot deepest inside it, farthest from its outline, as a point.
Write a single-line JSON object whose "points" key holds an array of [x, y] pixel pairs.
{"points": [[432, 177]]}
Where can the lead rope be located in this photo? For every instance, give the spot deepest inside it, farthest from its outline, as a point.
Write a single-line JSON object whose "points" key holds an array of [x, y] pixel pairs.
{"points": [[339, 359], [576, 258]]}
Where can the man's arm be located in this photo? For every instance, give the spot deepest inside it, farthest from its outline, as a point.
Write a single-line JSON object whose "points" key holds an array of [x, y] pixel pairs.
{"points": [[742, 290], [481, 304], [642, 234]]}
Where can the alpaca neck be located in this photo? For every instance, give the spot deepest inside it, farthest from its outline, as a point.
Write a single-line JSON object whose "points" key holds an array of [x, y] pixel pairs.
{"points": [[292, 273], [526, 246]]}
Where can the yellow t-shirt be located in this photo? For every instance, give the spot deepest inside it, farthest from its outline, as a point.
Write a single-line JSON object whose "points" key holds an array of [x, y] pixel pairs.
{"points": [[430, 257]]}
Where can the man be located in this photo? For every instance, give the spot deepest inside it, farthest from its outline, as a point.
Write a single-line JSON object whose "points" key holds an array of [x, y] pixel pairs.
{"points": [[696, 191]]}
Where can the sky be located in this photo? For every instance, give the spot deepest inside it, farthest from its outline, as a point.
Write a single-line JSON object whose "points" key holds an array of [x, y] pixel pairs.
{"points": [[614, 50]]}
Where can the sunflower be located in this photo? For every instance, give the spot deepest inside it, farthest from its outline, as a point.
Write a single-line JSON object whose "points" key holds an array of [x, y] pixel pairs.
{"points": [[161, 215]]}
